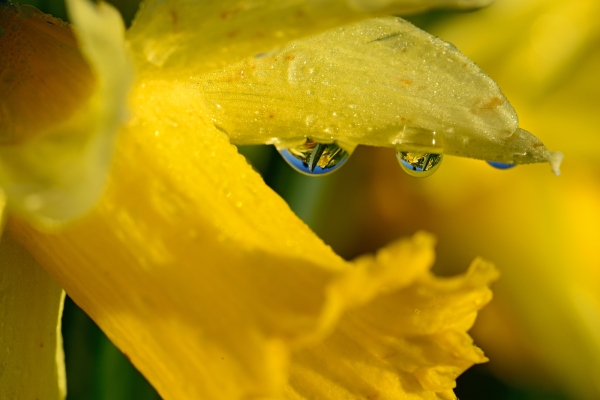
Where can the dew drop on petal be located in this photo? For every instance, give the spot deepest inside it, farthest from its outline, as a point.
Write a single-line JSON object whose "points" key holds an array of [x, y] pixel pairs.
{"points": [[419, 165], [315, 159], [500, 165]]}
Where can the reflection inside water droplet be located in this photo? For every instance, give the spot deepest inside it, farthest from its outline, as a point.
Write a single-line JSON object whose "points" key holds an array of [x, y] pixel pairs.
{"points": [[500, 165], [314, 158], [419, 165]]}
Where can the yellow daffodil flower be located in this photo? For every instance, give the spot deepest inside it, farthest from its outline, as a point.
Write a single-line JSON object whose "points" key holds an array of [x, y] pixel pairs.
{"points": [[199, 273], [552, 76]]}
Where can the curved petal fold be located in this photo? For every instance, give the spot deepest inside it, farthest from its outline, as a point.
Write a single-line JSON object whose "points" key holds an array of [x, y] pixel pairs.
{"points": [[61, 106], [190, 264], [380, 82], [31, 354], [175, 38], [410, 342]]}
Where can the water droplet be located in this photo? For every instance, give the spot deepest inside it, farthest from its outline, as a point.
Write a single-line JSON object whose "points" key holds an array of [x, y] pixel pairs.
{"points": [[314, 158], [311, 120], [500, 165], [417, 311], [419, 165]]}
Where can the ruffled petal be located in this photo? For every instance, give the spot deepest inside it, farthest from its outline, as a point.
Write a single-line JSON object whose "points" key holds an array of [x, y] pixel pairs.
{"points": [[60, 108], [381, 82], [177, 38], [31, 354], [409, 343], [198, 271]]}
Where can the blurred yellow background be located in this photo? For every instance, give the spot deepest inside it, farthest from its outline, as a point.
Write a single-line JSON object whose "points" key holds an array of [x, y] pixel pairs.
{"points": [[542, 231]]}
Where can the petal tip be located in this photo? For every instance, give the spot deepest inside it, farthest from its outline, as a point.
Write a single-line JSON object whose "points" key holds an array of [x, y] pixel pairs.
{"points": [[555, 159]]}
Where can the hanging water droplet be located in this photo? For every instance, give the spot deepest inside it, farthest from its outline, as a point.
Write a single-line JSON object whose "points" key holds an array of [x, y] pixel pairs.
{"points": [[314, 158], [500, 165], [419, 165]]}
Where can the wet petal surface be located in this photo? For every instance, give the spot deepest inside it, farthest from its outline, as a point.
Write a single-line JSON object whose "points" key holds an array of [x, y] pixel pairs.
{"points": [[381, 82]]}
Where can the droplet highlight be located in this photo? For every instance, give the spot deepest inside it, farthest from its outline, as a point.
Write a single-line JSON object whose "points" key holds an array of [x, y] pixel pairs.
{"points": [[419, 165], [315, 159], [500, 165]]}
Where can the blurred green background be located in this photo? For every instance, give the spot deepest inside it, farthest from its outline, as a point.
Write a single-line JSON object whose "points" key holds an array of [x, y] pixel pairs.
{"points": [[541, 331]]}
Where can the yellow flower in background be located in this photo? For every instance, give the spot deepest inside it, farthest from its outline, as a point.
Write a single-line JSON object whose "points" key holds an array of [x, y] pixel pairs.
{"points": [[543, 327], [189, 263], [550, 258]]}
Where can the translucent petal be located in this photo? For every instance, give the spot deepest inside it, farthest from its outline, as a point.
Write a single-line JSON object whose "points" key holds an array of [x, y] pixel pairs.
{"points": [[381, 82], [45, 78], [195, 269], [56, 148], [178, 38], [32, 365], [409, 344]]}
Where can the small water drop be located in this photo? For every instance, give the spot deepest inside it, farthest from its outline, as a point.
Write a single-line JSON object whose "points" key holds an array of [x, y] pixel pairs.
{"points": [[314, 158], [417, 311], [310, 120], [500, 165], [419, 165]]}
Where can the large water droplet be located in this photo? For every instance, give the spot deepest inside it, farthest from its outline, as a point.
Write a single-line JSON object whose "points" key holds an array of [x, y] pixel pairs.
{"points": [[314, 158], [419, 165], [500, 165]]}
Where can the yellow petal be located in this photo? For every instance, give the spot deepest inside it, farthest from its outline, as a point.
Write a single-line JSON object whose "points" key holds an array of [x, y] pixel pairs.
{"points": [[32, 365], [190, 264], [409, 344], [53, 163], [45, 78], [381, 82], [178, 38], [194, 268], [2, 211]]}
